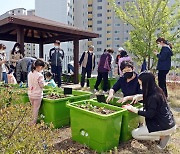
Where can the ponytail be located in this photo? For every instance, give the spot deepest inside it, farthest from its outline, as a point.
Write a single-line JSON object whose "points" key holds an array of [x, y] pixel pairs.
{"points": [[37, 63], [33, 66], [160, 39]]}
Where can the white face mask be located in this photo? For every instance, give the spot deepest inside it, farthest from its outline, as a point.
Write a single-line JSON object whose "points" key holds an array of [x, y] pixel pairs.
{"points": [[91, 51], [159, 46], [17, 49], [56, 47]]}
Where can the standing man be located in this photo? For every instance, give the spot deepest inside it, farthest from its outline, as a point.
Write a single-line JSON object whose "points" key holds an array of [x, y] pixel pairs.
{"points": [[88, 64], [56, 56], [118, 57]]}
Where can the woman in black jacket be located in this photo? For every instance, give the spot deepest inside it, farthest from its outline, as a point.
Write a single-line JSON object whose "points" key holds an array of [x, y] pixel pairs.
{"points": [[160, 123], [164, 62]]}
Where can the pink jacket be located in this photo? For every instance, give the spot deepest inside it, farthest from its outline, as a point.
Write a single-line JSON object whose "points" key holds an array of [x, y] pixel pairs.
{"points": [[35, 85], [120, 61], [11, 79]]}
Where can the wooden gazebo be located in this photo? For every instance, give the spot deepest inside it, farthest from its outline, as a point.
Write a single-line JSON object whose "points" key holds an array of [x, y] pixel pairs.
{"points": [[34, 29]]}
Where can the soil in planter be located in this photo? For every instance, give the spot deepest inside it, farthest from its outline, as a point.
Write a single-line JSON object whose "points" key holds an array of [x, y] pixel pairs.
{"points": [[56, 96], [88, 106]]}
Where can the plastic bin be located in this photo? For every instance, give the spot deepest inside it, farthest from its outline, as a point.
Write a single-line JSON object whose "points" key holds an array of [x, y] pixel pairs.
{"points": [[97, 131], [56, 112], [130, 120]]}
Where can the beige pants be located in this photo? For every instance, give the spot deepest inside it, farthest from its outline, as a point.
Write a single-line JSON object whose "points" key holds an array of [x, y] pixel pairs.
{"points": [[36, 103], [142, 133]]}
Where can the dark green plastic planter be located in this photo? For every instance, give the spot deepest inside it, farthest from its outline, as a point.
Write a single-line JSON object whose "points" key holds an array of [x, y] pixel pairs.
{"points": [[56, 112], [97, 131]]}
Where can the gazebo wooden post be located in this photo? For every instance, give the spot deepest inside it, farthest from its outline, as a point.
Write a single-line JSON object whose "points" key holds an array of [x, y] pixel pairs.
{"points": [[20, 37], [41, 52], [76, 61]]}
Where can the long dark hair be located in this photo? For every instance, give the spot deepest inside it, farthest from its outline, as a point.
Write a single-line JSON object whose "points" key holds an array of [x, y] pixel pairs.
{"points": [[160, 39], [16, 45], [149, 88], [37, 63]]}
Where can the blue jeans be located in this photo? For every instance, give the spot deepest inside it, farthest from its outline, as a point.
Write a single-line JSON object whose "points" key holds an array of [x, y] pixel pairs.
{"points": [[57, 71], [4, 77], [70, 68]]}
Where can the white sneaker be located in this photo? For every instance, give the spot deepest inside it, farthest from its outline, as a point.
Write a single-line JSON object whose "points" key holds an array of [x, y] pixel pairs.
{"points": [[163, 142]]}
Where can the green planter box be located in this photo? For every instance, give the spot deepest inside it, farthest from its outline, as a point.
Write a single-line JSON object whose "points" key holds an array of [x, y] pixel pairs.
{"points": [[92, 82], [24, 98], [99, 132], [130, 120], [56, 112]]}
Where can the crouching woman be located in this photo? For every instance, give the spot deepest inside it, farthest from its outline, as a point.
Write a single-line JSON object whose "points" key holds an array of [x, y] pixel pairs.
{"points": [[160, 123]]}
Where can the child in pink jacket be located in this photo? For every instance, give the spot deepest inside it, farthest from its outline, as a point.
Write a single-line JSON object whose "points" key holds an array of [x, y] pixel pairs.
{"points": [[35, 87]]}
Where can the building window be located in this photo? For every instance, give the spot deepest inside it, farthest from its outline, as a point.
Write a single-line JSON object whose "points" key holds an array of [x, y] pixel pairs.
{"points": [[116, 38], [116, 31], [99, 22], [117, 25], [108, 10], [90, 12], [108, 17], [108, 38], [90, 5], [117, 45], [108, 24], [100, 35], [108, 31], [99, 42], [99, 15], [99, 7], [90, 39], [99, 0], [108, 45], [90, 26], [118, 2], [89, 19], [99, 29], [98, 49]]}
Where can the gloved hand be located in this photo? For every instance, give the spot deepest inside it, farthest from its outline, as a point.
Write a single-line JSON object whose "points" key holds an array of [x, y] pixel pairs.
{"points": [[124, 99], [110, 96], [130, 108], [137, 98]]}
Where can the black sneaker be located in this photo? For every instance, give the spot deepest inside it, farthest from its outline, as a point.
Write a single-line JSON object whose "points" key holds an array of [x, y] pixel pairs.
{"points": [[163, 142]]}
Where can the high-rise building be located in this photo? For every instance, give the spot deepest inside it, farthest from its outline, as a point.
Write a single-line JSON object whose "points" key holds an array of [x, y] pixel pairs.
{"points": [[60, 11], [29, 49]]}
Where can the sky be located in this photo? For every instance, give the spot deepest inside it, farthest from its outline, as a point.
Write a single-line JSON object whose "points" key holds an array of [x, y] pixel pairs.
{"points": [[7, 5]]}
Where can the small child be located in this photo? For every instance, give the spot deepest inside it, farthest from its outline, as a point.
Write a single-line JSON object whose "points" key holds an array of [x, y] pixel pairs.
{"points": [[3, 69], [11, 78], [49, 81], [35, 87]]}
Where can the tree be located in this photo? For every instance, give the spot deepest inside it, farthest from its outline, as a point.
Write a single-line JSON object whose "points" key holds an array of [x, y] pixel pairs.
{"points": [[150, 19]]}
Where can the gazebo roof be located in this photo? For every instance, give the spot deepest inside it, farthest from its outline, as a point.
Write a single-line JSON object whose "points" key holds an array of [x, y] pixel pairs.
{"points": [[38, 29]]}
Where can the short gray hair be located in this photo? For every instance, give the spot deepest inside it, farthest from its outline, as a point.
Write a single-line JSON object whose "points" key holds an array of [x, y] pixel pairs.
{"points": [[91, 46]]}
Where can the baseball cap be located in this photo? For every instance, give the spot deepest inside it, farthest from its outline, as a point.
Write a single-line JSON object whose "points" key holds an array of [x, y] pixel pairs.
{"points": [[120, 49]]}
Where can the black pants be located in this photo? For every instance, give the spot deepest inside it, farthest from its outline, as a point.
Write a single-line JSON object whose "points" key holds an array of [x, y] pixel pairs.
{"points": [[57, 71], [83, 75], [104, 76], [162, 80]]}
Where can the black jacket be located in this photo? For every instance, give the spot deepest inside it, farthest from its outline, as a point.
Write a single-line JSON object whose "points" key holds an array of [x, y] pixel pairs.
{"points": [[157, 115], [164, 59], [56, 56]]}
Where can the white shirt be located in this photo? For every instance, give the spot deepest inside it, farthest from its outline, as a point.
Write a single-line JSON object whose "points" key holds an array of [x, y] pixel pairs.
{"points": [[3, 65]]}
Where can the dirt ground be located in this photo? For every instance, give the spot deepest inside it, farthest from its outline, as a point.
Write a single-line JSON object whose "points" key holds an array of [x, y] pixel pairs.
{"points": [[64, 143]]}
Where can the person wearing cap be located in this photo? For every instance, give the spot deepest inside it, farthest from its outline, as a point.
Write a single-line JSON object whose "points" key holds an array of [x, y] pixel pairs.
{"points": [[118, 57], [56, 55], [3, 68], [123, 57], [87, 61]]}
